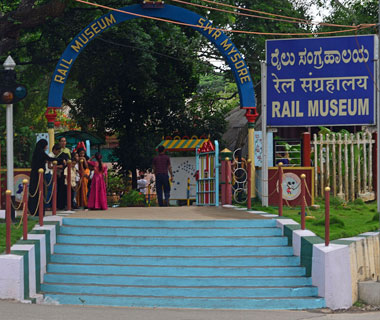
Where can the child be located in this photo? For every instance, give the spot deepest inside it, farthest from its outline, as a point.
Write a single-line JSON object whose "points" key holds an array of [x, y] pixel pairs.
{"points": [[74, 179]]}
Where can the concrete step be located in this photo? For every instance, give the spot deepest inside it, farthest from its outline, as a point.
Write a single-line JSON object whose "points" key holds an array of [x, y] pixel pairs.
{"points": [[183, 271], [170, 241], [183, 251], [236, 261], [181, 302], [214, 264], [170, 223], [162, 291], [193, 281], [170, 232]]}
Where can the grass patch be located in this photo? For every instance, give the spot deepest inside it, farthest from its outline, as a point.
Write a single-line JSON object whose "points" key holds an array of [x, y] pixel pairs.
{"points": [[16, 231], [359, 304], [346, 219]]}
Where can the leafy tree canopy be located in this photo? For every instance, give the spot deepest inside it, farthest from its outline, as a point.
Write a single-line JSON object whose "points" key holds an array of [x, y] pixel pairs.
{"points": [[141, 79]]}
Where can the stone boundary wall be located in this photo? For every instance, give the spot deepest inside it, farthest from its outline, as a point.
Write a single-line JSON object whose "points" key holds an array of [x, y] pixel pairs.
{"points": [[336, 269], [364, 260]]}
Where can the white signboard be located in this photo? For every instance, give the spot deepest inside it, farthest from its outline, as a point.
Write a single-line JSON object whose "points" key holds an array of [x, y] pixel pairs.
{"points": [[40, 136], [259, 149], [183, 168]]}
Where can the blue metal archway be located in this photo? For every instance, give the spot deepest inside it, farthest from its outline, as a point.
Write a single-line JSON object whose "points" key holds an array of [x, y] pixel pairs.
{"points": [[232, 56]]}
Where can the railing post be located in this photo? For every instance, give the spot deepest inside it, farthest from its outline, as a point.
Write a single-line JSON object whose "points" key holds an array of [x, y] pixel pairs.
{"points": [[68, 177], [25, 210], [41, 197], [8, 221], [188, 192], [327, 216], [280, 189], [249, 186], [54, 200], [303, 201]]}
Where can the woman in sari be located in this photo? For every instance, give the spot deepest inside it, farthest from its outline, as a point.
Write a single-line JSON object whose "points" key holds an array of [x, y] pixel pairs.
{"points": [[98, 193], [84, 171]]}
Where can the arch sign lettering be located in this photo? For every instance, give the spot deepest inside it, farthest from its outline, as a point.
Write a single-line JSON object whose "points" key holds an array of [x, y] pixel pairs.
{"points": [[218, 38], [321, 81]]}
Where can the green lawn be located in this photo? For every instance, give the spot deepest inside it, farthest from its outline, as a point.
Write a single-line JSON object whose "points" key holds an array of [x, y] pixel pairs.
{"points": [[16, 234], [346, 219]]}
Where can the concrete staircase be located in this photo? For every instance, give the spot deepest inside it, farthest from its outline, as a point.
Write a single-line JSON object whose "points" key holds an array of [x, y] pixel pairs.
{"points": [[217, 264]]}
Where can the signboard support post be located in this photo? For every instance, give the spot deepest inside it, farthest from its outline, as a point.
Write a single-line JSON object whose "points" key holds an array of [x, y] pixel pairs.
{"points": [[264, 171], [378, 125]]}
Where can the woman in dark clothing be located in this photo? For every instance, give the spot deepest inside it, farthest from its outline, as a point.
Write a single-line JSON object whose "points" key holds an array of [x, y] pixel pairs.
{"points": [[38, 161], [62, 158]]}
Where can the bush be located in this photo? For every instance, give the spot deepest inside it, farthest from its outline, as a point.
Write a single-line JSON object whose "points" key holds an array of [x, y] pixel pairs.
{"points": [[359, 201], [333, 221], [116, 184], [132, 199], [336, 201]]}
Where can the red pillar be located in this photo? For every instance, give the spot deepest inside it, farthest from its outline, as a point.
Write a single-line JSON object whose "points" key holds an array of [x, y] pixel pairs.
{"points": [[327, 216], [303, 201], [374, 164], [228, 182], [306, 149], [223, 181], [224, 154]]}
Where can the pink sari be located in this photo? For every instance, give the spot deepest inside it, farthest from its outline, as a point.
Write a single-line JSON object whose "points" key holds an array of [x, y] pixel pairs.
{"points": [[98, 192]]}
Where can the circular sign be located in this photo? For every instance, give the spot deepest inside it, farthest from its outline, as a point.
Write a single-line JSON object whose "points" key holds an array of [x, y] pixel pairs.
{"points": [[19, 187], [291, 186]]}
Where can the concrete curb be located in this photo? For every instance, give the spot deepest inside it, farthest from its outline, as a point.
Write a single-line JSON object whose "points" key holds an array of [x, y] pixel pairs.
{"points": [[23, 270]]}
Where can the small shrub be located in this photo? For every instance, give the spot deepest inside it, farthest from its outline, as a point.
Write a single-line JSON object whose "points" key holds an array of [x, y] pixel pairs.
{"points": [[116, 183], [375, 217], [358, 201], [359, 304], [132, 199], [336, 201]]}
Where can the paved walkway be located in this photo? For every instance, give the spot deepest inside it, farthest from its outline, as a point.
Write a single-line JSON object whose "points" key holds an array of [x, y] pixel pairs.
{"points": [[165, 213], [17, 311]]}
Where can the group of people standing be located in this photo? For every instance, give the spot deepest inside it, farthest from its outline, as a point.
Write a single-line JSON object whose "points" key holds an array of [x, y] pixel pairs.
{"points": [[88, 188]]}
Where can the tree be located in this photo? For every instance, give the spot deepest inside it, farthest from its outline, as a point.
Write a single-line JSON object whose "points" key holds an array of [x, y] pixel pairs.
{"points": [[19, 16], [139, 79], [353, 12]]}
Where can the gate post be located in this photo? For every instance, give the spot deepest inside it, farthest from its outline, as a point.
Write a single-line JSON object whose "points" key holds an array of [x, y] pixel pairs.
{"points": [[251, 115]]}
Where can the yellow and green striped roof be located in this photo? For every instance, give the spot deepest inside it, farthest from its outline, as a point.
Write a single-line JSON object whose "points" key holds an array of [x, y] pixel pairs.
{"points": [[182, 144]]}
